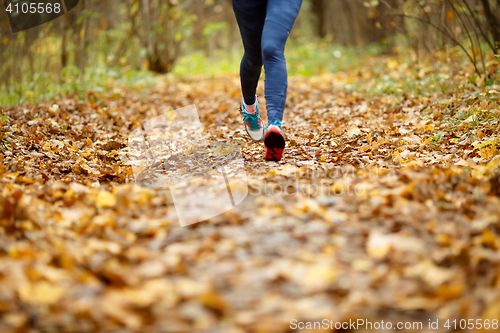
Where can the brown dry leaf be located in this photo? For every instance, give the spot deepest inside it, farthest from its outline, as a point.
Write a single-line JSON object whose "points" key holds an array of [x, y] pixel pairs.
{"points": [[353, 131], [15, 319], [462, 162], [89, 169], [114, 305]]}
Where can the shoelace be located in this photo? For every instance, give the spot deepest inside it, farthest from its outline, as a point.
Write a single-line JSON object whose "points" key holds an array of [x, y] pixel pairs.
{"points": [[275, 123], [251, 119]]}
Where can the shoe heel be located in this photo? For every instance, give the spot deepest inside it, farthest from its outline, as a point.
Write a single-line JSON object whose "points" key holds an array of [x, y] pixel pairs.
{"points": [[275, 145]]}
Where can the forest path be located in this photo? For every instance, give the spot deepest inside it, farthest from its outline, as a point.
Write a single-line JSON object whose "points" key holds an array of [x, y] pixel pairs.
{"points": [[382, 208]]}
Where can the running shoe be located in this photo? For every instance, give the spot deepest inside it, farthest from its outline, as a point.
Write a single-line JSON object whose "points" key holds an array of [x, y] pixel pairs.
{"points": [[253, 122], [274, 141]]}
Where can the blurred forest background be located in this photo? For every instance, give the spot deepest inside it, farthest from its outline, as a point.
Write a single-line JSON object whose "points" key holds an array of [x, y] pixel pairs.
{"points": [[127, 41]]}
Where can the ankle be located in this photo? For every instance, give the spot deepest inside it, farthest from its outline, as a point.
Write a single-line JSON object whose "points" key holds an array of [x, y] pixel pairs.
{"points": [[250, 107]]}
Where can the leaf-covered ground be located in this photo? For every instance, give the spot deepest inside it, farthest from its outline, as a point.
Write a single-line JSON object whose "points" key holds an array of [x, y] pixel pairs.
{"points": [[385, 207]]}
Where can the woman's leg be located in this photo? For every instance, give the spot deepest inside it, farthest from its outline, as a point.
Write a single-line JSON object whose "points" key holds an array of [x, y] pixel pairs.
{"points": [[280, 18], [250, 15]]}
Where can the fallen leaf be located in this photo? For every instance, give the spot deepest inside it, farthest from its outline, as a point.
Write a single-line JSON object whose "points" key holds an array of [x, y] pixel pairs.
{"points": [[106, 199], [40, 293]]}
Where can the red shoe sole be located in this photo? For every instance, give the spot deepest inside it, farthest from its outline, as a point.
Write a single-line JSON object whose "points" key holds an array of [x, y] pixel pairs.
{"points": [[275, 145]]}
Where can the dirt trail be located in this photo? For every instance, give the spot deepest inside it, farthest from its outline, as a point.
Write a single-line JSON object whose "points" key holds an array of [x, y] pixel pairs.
{"points": [[372, 213]]}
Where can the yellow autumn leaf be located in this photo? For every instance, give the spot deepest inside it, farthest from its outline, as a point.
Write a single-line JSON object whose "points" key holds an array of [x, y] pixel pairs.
{"points": [[106, 199], [73, 148], [223, 150], [41, 293], [190, 150], [393, 64], [171, 115], [488, 152], [212, 300], [47, 147], [378, 245], [321, 273], [364, 148]]}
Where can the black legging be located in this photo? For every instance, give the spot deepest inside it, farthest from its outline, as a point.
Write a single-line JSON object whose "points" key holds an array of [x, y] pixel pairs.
{"points": [[265, 26]]}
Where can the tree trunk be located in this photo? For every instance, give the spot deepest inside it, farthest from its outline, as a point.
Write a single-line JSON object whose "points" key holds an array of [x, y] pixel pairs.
{"points": [[64, 52], [82, 54], [233, 29], [494, 27], [122, 49], [319, 10]]}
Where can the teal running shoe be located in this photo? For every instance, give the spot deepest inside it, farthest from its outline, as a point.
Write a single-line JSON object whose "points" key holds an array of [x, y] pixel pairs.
{"points": [[253, 122]]}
